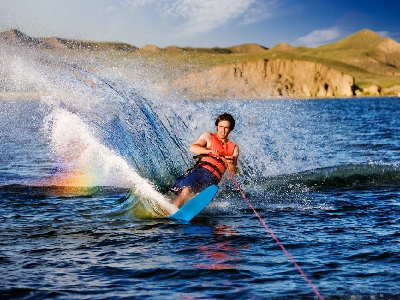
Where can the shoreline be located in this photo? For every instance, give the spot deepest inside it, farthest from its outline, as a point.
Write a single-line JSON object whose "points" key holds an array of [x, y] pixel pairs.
{"points": [[36, 96], [20, 96]]}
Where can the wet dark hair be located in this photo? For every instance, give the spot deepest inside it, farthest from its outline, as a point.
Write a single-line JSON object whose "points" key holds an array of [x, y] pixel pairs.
{"points": [[226, 117]]}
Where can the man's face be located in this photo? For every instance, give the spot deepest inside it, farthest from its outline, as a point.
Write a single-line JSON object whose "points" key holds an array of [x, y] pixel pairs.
{"points": [[223, 129]]}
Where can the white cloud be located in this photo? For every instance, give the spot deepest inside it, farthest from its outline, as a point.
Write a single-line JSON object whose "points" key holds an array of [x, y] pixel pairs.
{"points": [[206, 15], [384, 34], [136, 3], [109, 9], [259, 11], [318, 37], [199, 16]]}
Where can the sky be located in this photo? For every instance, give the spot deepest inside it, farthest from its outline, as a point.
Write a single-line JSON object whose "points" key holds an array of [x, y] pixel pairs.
{"points": [[202, 23]]}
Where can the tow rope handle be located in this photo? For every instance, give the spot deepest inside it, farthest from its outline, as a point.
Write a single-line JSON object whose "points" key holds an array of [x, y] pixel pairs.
{"points": [[223, 158]]}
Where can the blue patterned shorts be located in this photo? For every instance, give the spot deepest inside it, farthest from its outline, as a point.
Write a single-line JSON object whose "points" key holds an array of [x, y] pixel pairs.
{"points": [[197, 180]]}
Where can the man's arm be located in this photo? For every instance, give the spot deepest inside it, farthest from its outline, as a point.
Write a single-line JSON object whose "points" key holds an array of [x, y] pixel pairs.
{"points": [[201, 145], [232, 160]]}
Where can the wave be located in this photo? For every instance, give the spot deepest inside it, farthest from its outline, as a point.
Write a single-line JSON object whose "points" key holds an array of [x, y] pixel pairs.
{"points": [[31, 191], [290, 191], [351, 176]]}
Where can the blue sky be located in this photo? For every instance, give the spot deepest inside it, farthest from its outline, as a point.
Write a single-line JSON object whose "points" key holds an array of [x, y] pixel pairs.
{"points": [[202, 23]]}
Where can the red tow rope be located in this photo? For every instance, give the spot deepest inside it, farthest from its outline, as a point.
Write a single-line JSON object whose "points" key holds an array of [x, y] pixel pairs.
{"points": [[274, 236]]}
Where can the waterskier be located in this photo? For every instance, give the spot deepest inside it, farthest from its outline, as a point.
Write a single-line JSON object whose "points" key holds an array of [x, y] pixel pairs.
{"points": [[216, 152]]}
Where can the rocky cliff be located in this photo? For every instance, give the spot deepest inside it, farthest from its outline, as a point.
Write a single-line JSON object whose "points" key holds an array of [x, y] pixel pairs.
{"points": [[262, 79]]}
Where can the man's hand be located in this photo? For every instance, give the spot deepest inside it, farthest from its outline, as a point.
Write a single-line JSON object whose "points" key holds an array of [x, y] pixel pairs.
{"points": [[214, 152], [231, 158]]}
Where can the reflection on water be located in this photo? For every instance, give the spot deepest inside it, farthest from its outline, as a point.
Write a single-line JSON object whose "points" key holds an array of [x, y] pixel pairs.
{"points": [[219, 253]]}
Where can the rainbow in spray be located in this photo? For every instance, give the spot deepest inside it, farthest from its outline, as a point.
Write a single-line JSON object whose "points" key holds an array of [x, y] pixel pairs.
{"points": [[85, 162]]}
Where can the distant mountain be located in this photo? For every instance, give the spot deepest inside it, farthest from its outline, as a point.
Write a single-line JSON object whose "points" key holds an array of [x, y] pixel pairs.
{"points": [[244, 49], [17, 37], [368, 57], [367, 50], [149, 48], [283, 47], [248, 48], [363, 39]]}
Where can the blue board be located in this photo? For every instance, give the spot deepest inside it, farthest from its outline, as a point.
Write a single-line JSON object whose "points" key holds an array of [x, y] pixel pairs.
{"points": [[195, 205]]}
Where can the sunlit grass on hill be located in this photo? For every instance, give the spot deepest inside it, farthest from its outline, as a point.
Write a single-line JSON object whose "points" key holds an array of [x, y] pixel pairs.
{"points": [[358, 55], [192, 62]]}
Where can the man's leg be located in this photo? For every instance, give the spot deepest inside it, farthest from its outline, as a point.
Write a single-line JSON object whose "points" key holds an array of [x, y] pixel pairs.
{"points": [[185, 194]]}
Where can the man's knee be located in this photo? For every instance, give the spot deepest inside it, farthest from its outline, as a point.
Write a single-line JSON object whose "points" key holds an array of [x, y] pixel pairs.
{"points": [[186, 191]]}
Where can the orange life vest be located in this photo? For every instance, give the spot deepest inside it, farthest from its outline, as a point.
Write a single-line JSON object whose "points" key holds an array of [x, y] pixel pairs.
{"points": [[214, 163]]}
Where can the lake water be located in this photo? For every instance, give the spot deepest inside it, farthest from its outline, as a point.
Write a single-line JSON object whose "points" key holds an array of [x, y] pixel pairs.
{"points": [[323, 174]]}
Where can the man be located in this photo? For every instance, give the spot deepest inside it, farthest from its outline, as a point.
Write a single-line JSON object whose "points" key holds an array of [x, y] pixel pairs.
{"points": [[217, 153]]}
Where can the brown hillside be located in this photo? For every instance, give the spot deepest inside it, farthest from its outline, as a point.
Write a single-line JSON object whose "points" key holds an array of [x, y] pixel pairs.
{"points": [[55, 44], [58, 43], [173, 49], [389, 46], [17, 37], [283, 47], [248, 48], [213, 50], [149, 49], [261, 79], [367, 50], [363, 39]]}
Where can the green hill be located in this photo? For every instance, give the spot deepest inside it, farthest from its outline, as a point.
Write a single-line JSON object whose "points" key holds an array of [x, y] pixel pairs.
{"points": [[362, 40], [368, 57]]}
